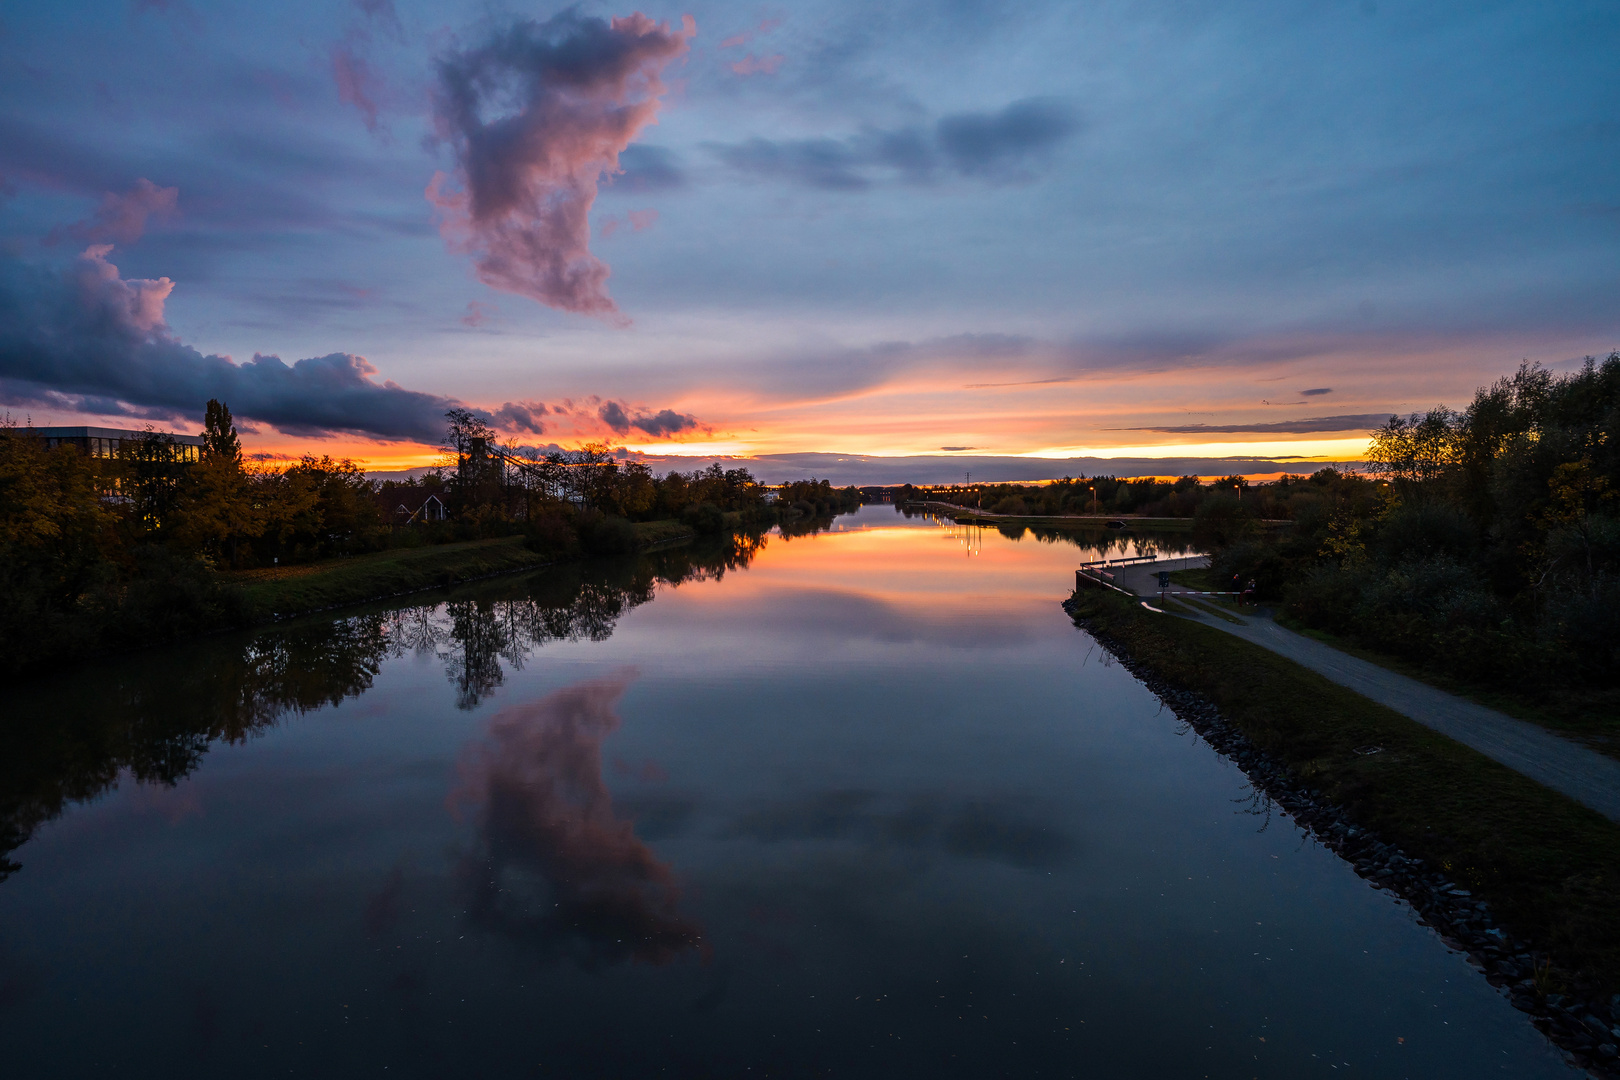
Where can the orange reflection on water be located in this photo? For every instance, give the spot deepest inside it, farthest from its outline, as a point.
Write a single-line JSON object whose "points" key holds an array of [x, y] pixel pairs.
{"points": [[911, 563]]}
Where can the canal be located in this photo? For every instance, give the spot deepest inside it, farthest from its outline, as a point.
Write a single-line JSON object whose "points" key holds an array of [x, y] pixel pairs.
{"points": [[857, 803]]}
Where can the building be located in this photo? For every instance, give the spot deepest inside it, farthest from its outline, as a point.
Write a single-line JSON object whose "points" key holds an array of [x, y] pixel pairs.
{"points": [[407, 507], [106, 442]]}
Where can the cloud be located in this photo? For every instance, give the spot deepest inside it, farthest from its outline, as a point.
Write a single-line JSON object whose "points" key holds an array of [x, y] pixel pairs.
{"points": [[613, 415], [90, 340], [1351, 422], [1318, 392], [122, 218], [985, 144], [1002, 147], [661, 424], [829, 164], [638, 220], [758, 65], [357, 83], [477, 313], [382, 13], [536, 116], [743, 38], [555, 866], [648, 168], [521, 416], [664, 422]]}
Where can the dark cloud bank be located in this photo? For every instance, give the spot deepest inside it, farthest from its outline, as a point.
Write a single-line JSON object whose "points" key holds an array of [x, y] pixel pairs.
{"points": [[88, 340], [85, 339]]}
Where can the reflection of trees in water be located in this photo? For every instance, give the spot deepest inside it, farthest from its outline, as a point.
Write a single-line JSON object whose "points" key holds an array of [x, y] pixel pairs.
{"points": [[554, 866], [1099, 543], [1114, 543], [151, 717]]}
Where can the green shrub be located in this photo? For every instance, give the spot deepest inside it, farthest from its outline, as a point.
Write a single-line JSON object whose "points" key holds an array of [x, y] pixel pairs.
{"points": [[706, 518], [602, 534], [551, 532]]}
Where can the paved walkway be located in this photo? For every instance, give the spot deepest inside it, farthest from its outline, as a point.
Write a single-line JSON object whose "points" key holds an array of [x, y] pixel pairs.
{"points": [[1584, 775]]}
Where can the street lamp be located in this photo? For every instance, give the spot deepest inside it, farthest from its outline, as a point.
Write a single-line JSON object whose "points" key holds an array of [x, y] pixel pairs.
{"points": [[1093, 498]]}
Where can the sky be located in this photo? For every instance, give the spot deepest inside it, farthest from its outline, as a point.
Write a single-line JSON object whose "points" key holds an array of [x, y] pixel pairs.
{"points": [[1186, 233]]}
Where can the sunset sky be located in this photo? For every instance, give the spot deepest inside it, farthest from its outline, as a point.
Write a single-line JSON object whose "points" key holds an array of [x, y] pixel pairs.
{"points": [[1044, 230]]}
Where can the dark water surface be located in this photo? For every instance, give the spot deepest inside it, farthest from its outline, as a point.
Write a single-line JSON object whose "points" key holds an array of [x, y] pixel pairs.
{"points": [[863, 803]]}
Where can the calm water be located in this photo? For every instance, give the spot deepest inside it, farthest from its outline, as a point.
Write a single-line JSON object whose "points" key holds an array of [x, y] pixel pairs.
{"points": [[863, 803]]}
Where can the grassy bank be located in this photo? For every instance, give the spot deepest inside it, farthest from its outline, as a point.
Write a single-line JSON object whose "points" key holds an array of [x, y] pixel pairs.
{"points": [[1590, 715], [1549, 868], [273, 592], [1066, 521], [671, 531], [289, 590], [1587, 714]]}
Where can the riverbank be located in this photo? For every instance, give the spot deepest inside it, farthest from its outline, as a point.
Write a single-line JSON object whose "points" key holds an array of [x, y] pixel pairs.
{"points": [[278, 592], [1532, 878], [1589, 715], [963, 515]]}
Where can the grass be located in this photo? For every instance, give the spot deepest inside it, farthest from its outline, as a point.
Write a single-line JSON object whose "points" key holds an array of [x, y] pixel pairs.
{"points": [[1591, 716], [1204, 580], [1090, 522], [281, 591], [1549, 867], [662, 532], [1219, 613]]}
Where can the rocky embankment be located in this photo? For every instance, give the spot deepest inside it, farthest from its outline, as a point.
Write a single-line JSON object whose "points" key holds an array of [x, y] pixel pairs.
{"points": [[1584, 1026]]}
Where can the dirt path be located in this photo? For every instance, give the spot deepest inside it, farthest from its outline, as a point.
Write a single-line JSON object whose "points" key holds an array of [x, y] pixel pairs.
{"points": [[1584, 775]]}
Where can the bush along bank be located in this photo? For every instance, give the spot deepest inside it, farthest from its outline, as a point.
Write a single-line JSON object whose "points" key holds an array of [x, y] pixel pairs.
{"points": [[1536, 918], [274, 594]]}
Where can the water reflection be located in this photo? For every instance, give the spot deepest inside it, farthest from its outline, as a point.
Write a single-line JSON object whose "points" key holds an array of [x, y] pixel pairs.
{"points": [[974, 828], [1098, 543], [555, 867], [150, 718]]}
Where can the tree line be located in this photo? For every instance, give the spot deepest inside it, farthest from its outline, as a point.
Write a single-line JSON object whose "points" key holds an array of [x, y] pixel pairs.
{"points": [[1483, 542], [1148, 496], [105, 553]]}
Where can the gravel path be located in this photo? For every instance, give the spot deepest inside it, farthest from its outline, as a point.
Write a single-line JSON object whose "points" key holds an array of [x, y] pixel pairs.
{"points": [[1565, 766]]}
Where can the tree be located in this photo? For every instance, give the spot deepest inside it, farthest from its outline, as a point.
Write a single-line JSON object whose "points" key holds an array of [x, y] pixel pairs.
{"points": [[217, 508], [219, 432], [1414, 450]]}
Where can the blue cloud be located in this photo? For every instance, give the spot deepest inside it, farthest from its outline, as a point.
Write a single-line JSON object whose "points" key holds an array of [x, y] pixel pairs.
{"points": [[1008, 146]]}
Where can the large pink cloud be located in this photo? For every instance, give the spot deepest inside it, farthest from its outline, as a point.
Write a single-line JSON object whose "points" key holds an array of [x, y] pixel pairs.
{"points": [[535, 116]]}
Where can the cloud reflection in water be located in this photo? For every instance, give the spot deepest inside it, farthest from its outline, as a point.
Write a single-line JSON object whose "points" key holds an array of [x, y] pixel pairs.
{"points": [[554, 865]]}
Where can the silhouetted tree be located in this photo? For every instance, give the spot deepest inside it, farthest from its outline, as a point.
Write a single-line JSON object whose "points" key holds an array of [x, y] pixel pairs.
{"points": [[219, 432]]}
